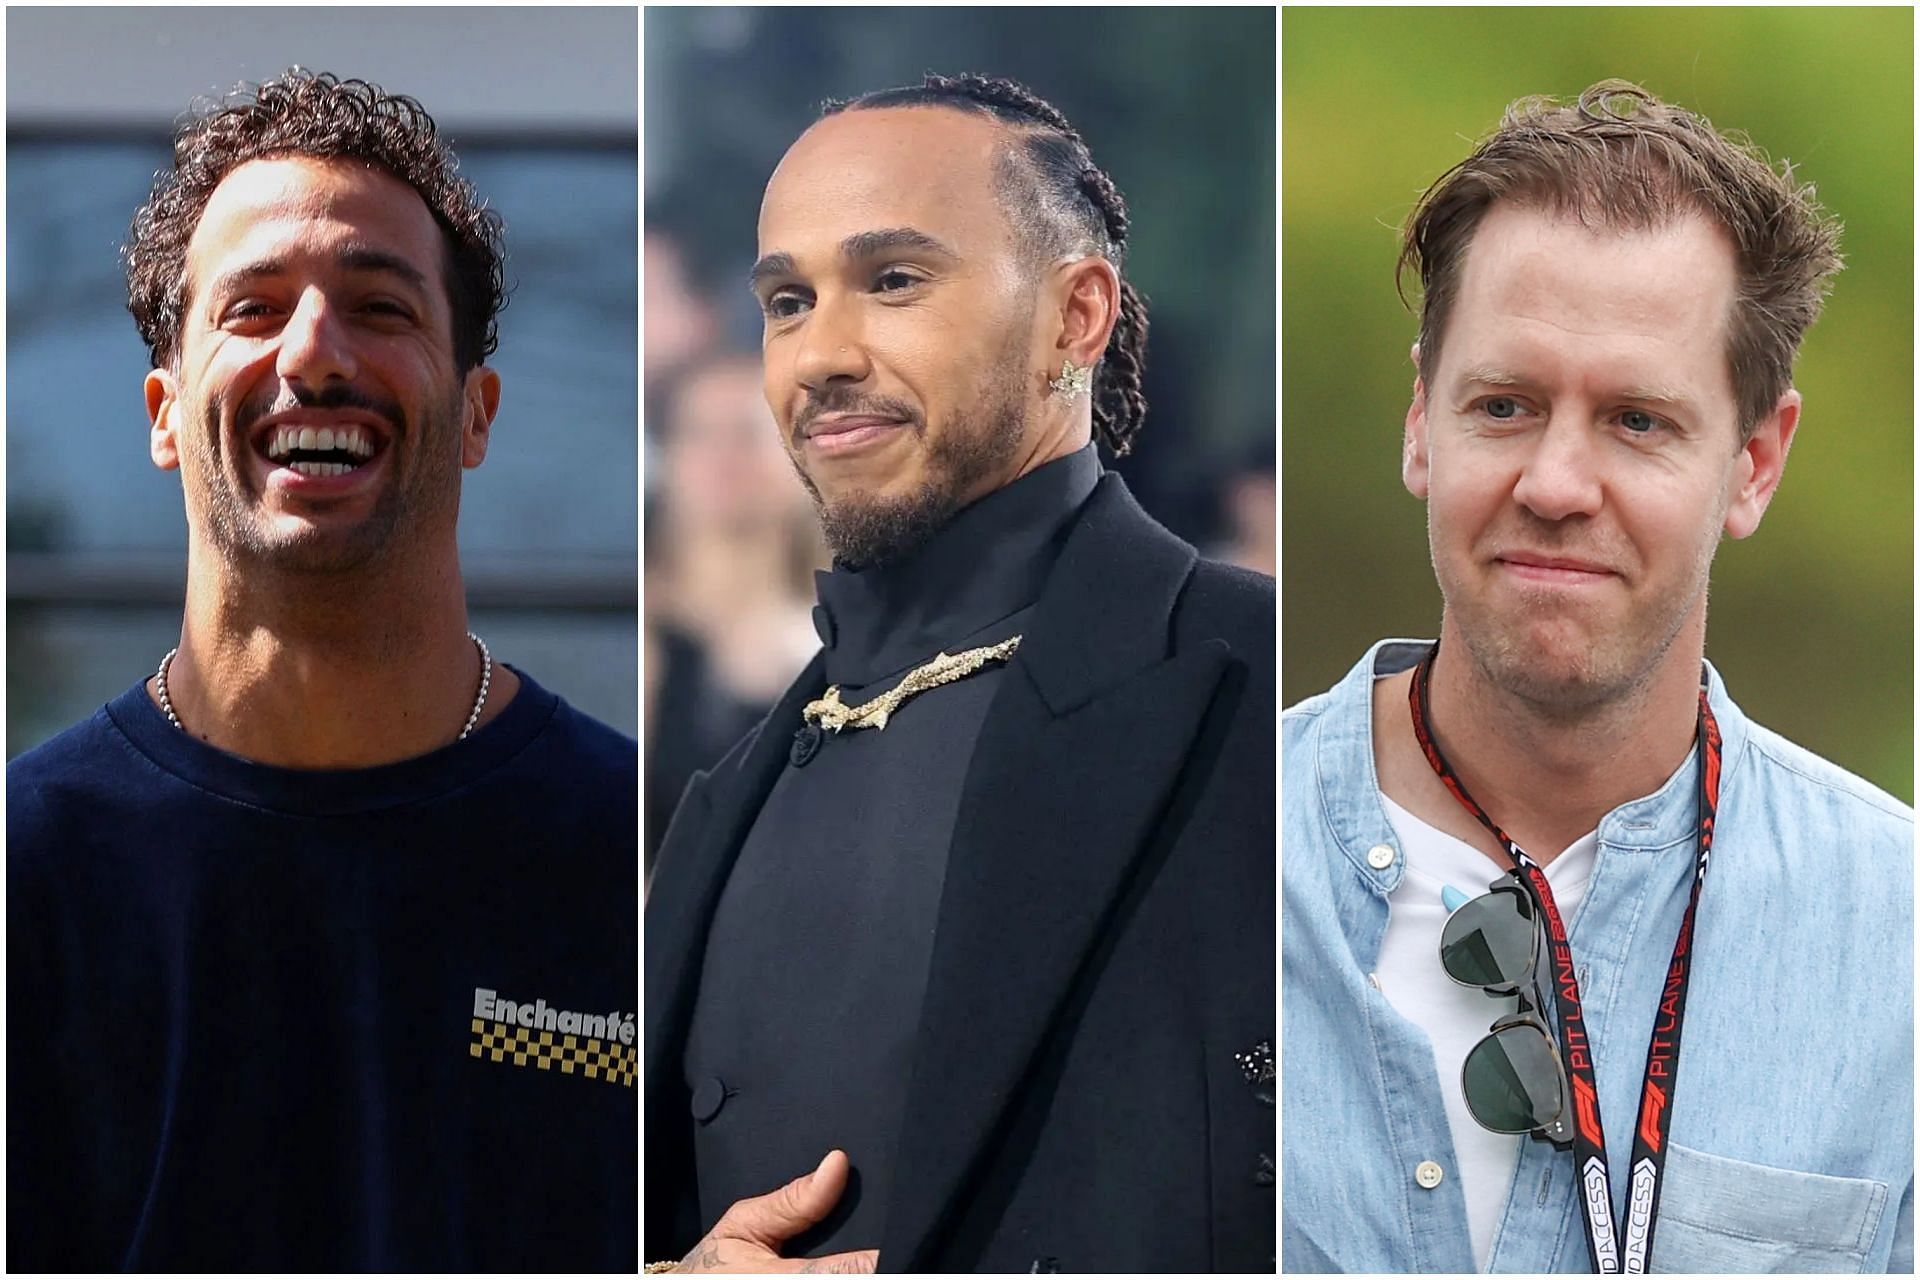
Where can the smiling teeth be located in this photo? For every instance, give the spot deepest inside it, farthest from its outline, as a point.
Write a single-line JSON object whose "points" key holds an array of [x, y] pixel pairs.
{"points": [[319, 468], [354, 440]]}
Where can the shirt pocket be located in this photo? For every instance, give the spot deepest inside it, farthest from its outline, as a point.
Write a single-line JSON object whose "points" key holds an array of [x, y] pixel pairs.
{"points": [[1719, 1214]]}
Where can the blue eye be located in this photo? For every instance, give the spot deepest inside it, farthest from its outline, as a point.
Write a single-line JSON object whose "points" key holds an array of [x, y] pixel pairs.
{"points": [[1638, 422], [1502, 408]]}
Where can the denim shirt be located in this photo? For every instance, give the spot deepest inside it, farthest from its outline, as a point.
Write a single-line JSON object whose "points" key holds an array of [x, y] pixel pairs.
{"points": [[1791, 1146]]}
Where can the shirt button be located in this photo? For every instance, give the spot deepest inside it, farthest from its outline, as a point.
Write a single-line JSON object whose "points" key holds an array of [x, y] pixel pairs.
{"points": [[806, 743], [1380, 857], [708, 1097], [1428, 1174]]}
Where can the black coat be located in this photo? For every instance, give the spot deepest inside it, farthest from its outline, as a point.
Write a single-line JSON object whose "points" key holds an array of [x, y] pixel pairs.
{"points": [[1105, 950]]}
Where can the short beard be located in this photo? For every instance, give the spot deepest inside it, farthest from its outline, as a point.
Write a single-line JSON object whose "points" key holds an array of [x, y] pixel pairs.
{"points": [[1612, 670], [408, 501], [867, 533]]}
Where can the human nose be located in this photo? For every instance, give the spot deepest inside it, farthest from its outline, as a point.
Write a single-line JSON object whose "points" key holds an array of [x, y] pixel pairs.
{"points": [[831, 347], [1561, 477], [314, 346]]}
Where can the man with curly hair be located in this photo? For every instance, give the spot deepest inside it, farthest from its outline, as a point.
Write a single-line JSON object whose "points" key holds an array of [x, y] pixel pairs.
{"points": [[978, 924], [326, 927]]}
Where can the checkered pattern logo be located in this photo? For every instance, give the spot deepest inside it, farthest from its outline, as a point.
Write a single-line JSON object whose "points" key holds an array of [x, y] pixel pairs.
{"points": [[607, 1060]]}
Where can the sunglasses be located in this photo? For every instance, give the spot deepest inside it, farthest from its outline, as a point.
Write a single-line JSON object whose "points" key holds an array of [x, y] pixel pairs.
{"points": [[1513, 1080]]}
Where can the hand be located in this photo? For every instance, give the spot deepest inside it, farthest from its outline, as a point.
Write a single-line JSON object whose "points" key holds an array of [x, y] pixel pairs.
{"points": [[749, 1235]]}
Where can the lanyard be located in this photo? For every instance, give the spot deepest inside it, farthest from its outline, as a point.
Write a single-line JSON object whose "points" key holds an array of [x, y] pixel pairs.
{"points": [[1663, 1052]]}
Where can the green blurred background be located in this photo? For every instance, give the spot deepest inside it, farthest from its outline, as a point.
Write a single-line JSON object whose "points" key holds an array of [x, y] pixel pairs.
{"points": [[1811, 620]]}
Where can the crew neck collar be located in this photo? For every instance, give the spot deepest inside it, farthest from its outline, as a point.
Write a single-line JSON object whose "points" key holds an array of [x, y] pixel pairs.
{"points": [[321, 792], [987, 563]]}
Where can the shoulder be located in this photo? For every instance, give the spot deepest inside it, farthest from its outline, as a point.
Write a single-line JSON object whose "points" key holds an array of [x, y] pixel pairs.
{"points": [[585, 755], [1302, 715], [1796, 790], [1229, 599], [1301, 721], [81, 763], [592, 738], [83, 782]]}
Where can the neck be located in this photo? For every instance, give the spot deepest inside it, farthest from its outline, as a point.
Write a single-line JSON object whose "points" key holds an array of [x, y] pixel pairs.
{"points": [[1547, 776], [323, 673]]}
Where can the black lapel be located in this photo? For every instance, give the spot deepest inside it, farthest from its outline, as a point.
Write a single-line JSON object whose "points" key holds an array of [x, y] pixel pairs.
{"points": [[1076, 761], [688, 880]]}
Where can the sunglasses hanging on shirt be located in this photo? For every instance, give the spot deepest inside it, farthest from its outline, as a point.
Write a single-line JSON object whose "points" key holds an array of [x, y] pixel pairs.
{"points": [[1512, 1079]]}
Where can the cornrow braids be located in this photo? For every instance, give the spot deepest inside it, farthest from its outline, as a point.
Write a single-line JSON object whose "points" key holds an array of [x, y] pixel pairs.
{"points": [[1058, 203]]}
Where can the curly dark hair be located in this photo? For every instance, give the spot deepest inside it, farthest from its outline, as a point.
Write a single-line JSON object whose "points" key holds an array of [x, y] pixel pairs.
{"points": [[1058, 202], [301, 113], [1620, 157]]}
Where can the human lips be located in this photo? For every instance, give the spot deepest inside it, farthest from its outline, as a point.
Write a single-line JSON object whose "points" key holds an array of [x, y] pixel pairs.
{"points": [[1554, 569], [838, 433], [302, 446]]}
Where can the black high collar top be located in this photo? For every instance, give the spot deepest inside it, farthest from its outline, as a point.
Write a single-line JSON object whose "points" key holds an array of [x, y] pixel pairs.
{"points": [[986, 563], [815, 972]]}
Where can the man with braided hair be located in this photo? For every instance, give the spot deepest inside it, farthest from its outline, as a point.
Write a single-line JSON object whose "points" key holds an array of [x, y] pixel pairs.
{"points": [[320, 939], [977, 925]]}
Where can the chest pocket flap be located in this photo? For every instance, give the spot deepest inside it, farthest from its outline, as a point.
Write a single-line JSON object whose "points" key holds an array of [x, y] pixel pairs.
{"points": [[1720, 1214]]}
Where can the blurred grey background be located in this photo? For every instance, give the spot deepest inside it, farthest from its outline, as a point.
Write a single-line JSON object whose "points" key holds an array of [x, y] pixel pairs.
{"points": [[540, 105], [1176, 104]]}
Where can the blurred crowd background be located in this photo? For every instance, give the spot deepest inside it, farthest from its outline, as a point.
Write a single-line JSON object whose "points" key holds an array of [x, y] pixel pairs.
{"points": [[541, 107], [1177, 106], [1812, 618]]}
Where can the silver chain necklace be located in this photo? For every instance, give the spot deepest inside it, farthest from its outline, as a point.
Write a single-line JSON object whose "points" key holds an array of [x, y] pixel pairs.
{"points": [[486, 679]]}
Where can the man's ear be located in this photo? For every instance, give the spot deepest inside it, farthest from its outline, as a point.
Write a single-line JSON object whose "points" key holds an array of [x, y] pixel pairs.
{"points": [[1759, 465], [1413, 444], [480, 401], [163, 403], [1089, 308]]}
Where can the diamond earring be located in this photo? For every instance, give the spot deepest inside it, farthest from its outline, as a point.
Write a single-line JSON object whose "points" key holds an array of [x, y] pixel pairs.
{"points": [[1074, 380]]}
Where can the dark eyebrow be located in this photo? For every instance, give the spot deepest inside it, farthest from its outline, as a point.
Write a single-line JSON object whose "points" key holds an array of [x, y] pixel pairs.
{"points": [[774, 264], [870, 244], [351, 258], [231, 281], [364, 258], [859, 245]]}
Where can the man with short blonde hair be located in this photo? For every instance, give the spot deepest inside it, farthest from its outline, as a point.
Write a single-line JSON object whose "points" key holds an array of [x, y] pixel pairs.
{"points": [[1557, 804]]}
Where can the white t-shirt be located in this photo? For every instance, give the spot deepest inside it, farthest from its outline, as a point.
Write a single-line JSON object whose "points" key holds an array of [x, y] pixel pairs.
{"points": [[1455, 1017]]}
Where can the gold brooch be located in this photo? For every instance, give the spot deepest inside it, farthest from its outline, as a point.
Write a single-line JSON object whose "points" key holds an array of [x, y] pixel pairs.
{"points": [[830, 713]]}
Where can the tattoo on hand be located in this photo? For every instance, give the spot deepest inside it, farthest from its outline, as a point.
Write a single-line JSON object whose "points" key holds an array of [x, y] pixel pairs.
{"points": [[706, 1255]]}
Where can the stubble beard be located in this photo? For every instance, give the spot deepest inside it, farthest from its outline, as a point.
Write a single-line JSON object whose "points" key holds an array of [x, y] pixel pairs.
{"points": [[864, 531], [1590, 670], [418, 490]]}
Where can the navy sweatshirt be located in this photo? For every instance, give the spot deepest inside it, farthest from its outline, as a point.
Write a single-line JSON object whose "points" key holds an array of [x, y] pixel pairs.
{"points": [[271, 1019]]}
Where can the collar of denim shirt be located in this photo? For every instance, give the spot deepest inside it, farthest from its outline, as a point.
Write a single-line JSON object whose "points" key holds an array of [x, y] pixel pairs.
{"points": [[1666, 819]]}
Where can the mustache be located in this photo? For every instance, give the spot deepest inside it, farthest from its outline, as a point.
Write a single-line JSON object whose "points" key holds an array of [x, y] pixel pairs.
{"points": [[846, 401], [285, 400]]}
